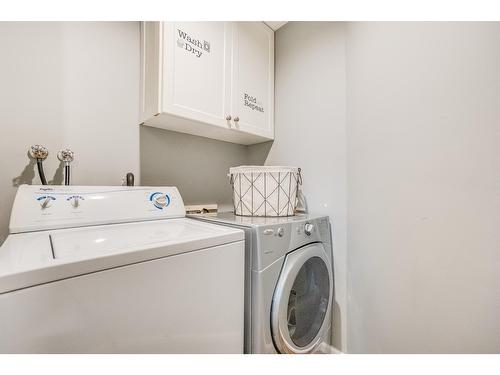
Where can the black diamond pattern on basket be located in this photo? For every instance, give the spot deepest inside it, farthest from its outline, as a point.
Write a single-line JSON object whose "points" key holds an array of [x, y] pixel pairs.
{"points": [[256, 195]]}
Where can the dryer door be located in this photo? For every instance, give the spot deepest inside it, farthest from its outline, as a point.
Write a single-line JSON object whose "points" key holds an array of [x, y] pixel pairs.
{"points": [[300, 312]]}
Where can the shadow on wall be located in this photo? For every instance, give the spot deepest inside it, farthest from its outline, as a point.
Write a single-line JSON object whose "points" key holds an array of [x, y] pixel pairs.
{"points": [[27, 175], [197, 166], [257, 154], [58, 175]]}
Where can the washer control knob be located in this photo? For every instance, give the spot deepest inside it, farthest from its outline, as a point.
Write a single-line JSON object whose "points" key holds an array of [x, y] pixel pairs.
{"points": [[308, 228], [281, 232], [75, 202], [45, 203], [161, 200]]}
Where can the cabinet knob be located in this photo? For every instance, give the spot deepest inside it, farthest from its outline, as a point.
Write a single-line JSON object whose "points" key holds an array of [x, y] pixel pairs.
{"points": [[236, 119], [228, 117]]}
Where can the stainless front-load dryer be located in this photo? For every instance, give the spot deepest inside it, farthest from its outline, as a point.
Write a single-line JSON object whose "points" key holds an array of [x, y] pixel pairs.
{"points": [[288, 283]]}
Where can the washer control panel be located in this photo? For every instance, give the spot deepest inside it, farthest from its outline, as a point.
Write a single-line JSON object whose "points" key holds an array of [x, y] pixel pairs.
{"points": [[55, 207]]}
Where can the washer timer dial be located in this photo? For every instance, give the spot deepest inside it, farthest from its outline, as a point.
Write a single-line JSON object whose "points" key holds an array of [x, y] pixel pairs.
{"points": [[45, 201], [159, 200], [75, 200]]}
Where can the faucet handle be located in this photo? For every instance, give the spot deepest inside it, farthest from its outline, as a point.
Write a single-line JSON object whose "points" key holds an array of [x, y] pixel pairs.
{"points": [[66, 155], [39, 152]]}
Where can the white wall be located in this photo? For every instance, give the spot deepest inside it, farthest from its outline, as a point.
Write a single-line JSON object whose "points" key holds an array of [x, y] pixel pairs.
{"points": [[423, 187], [68, 85], [310, 130], [423, 174]]}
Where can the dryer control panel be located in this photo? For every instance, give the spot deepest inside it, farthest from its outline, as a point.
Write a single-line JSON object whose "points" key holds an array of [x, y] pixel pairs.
{"points": [[56, 207], [276, 240]]}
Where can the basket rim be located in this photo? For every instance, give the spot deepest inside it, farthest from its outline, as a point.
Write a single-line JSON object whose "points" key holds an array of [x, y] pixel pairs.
{"points": [[262, 169]]}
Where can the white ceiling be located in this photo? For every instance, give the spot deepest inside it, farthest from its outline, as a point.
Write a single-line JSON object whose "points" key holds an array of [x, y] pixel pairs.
{"points": [[275, 25]]}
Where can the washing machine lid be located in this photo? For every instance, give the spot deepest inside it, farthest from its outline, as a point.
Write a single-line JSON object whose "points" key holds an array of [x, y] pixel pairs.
{"points": [[301, 307], [29, 259]]}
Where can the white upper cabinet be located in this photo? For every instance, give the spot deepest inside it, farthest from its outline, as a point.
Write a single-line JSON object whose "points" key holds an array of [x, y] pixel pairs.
{"points": [[195, 62], [212, 79], [252, 81]]}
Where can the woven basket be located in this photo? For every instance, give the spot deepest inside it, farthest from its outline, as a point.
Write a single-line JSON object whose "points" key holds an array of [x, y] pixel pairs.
{"points": [[265, 190]]}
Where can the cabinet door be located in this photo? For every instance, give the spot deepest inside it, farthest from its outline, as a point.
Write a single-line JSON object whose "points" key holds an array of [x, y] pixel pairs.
{"points": [[150, 70], [195, 70], [252, 91]]}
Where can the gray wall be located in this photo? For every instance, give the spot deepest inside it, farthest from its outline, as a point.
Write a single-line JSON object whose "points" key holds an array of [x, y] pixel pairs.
{"points": [[71, 85], [424, 187], [310, 130], [197, 166], [417, 105]]}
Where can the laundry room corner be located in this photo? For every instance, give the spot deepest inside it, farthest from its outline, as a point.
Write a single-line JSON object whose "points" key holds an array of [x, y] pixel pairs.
{"points": [[310, 132], [252, 181]]}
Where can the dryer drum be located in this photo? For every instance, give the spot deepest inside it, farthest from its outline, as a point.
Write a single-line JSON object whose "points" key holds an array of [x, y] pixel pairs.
{"points": [[302, 301], [308, 302]]}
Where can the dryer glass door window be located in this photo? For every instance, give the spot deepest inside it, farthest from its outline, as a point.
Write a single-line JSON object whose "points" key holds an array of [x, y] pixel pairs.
{"points": [[302, 300], [308, 301]]}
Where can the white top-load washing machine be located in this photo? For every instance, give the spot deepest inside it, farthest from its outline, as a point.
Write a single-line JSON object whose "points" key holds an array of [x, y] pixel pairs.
{"points": [[118, 270], [288, 282]]}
